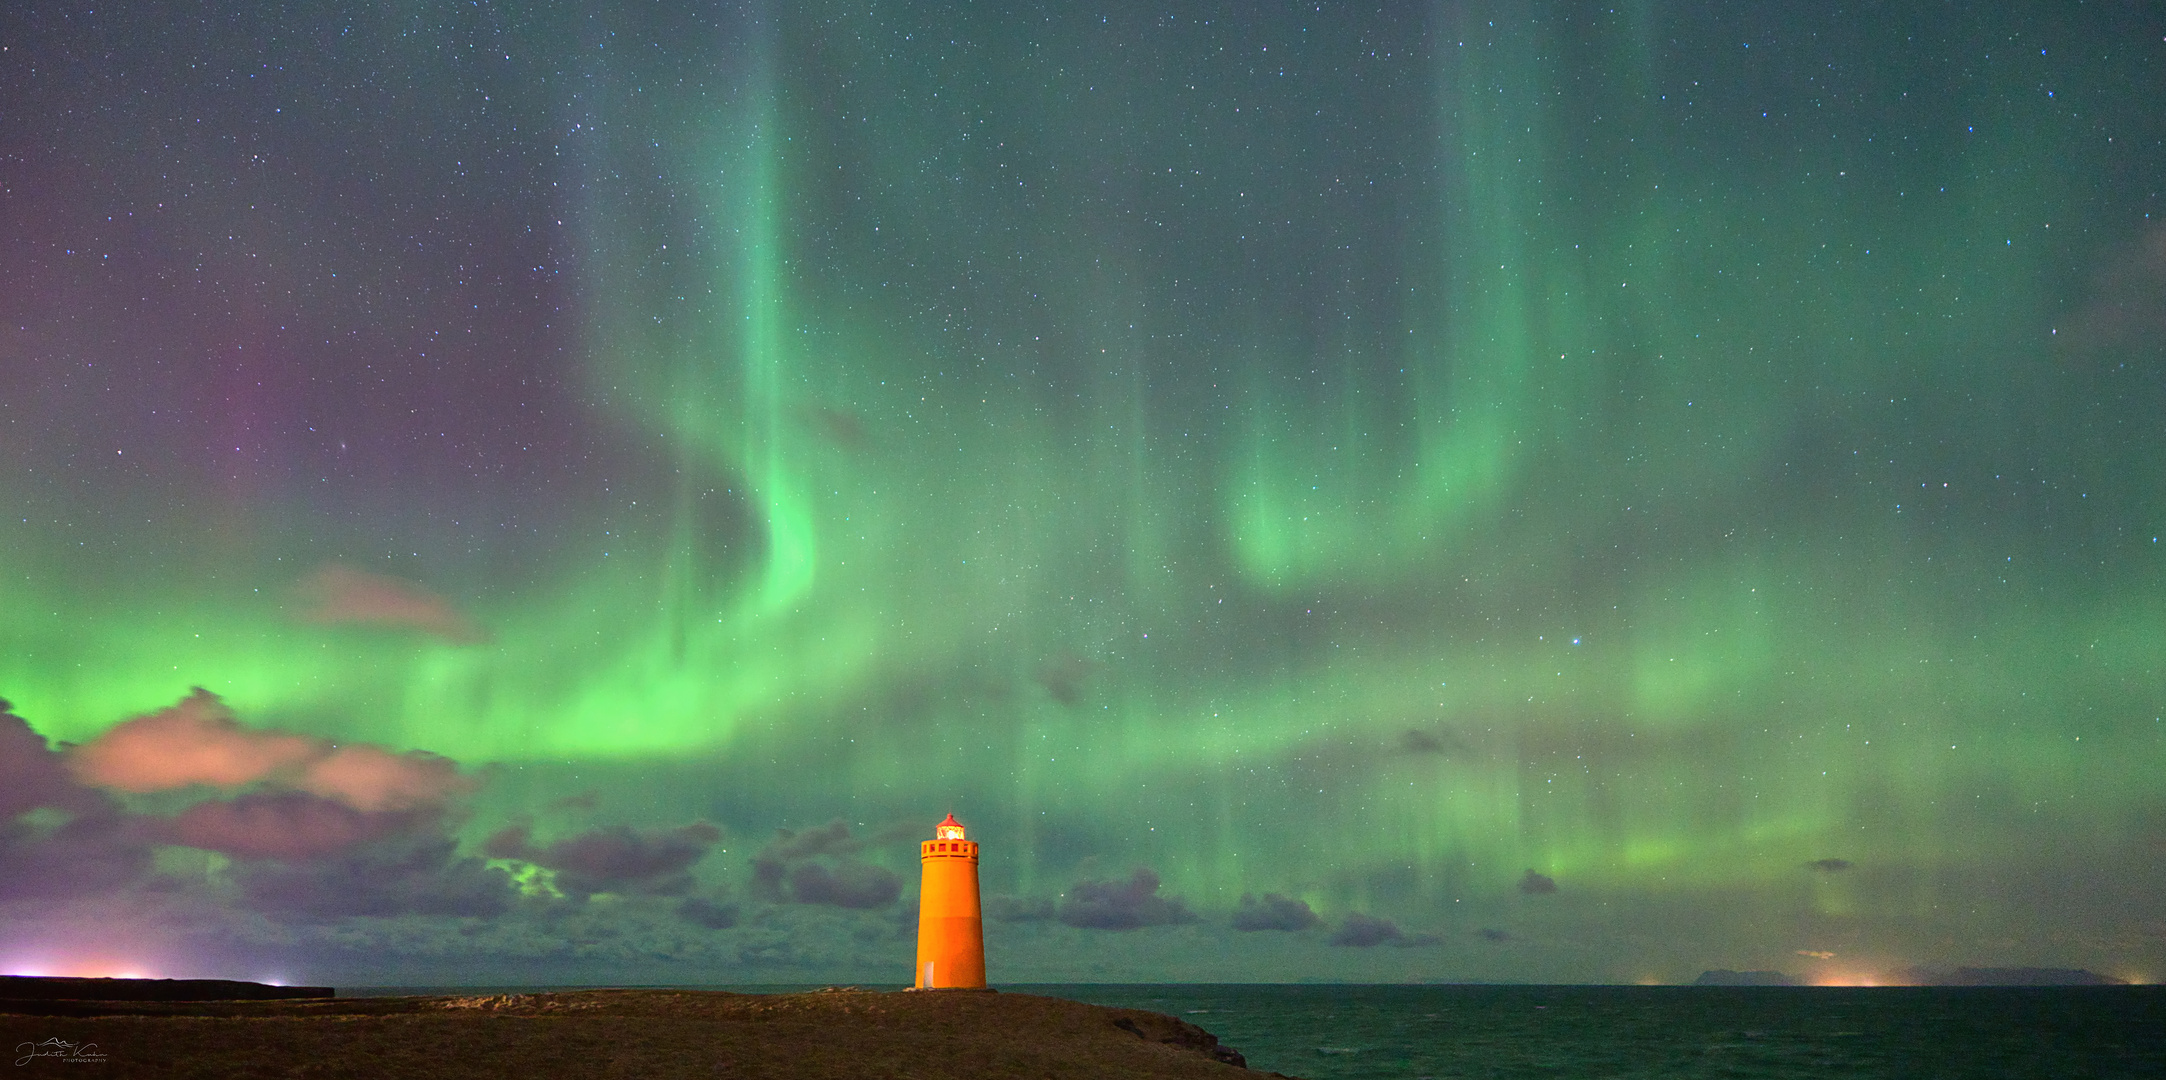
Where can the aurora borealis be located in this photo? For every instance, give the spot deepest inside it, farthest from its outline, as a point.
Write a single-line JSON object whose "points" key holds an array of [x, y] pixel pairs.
{"points": [[1512, 491]]}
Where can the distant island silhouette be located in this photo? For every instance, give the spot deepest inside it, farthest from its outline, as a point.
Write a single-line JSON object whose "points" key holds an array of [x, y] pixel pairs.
{"points": [[2008, 976]]}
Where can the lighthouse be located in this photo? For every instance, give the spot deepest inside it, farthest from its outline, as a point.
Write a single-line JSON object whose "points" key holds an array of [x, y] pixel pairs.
{"points": [[951, 930]]}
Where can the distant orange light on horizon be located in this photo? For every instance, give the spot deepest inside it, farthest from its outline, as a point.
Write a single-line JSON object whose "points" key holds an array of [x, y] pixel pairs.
{"points": [[85, 968], [1848, 978]]}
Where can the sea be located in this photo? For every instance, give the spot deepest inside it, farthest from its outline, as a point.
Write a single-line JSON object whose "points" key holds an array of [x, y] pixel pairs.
{"points": [[1341, 1032]]}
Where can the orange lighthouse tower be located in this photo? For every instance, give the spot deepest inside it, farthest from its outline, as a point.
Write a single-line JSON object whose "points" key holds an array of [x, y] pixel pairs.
{"points": [[951, 929]]}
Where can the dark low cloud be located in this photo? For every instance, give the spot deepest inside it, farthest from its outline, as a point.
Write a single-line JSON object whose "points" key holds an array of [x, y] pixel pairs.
{"points": [[1122, 905], [1489, 933], [59, 838], [818, 866], [855, 885], [2128, 302], [1828, 866], [1417, 741], [1534, 884], [1367, 931], [833, 838], [615, 859], [1065, 677], [89, 853], [281, 825], [841, 428], [1273, 912], [33, 776], [1362, 931], [584, 801], [1019, 909], [708, 913], [420, 874]]}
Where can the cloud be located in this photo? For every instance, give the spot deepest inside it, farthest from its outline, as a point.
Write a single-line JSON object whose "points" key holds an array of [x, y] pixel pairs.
{"points": [[510, 842], [1065, 676], [419, 874], [1829, 866], [93, 852], [1019, 908], [32, 775], [1273, 912], [373, 779], [2128, 306], [840, 427], [1367, 931], [847, 885], [784, 873], [616, 859], [1488, 933], [280, 825], [832, 838], [1417, 741], [198, 742], [1364, 931], [58, 838], [1534, 884], [368, 840], [337, 595], [193, 742], [586, 800], [707, 913], [1817, 954], [1122, 905]]}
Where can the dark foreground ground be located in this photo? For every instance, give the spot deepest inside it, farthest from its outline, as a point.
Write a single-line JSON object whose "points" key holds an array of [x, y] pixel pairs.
{"points": [[611, 1033]]}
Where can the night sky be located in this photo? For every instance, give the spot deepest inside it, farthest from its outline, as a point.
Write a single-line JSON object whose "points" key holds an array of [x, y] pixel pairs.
{"points": [[1462, 491]]}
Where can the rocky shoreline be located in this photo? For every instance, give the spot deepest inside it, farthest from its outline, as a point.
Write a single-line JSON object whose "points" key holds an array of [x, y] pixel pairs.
{"points": [[836, 1033]]}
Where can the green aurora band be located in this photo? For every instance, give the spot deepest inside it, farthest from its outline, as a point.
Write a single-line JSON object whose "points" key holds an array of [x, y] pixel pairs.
{"points": [[1512, 440]]}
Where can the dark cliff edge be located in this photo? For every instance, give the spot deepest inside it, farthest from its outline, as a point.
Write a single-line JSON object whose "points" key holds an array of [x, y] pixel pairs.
{"points": [[645, 1033], [55, 988]]}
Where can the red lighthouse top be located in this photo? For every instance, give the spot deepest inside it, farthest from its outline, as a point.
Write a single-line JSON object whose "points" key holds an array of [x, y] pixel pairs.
{"points": [[950, 829]]}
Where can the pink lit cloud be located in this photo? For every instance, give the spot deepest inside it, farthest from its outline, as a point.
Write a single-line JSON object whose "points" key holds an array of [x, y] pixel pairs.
{"points": [[194, 742], [373, 779], [198, 742], [336, 595]]}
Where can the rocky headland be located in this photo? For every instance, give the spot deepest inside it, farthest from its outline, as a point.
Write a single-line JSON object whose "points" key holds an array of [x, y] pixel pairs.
{"points": [[614, 1033]]}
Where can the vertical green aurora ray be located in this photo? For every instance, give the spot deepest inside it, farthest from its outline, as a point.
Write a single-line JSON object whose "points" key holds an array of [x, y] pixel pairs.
{"points": [[709, 657], [1362, 501], [791, 545], [670, 646]]}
